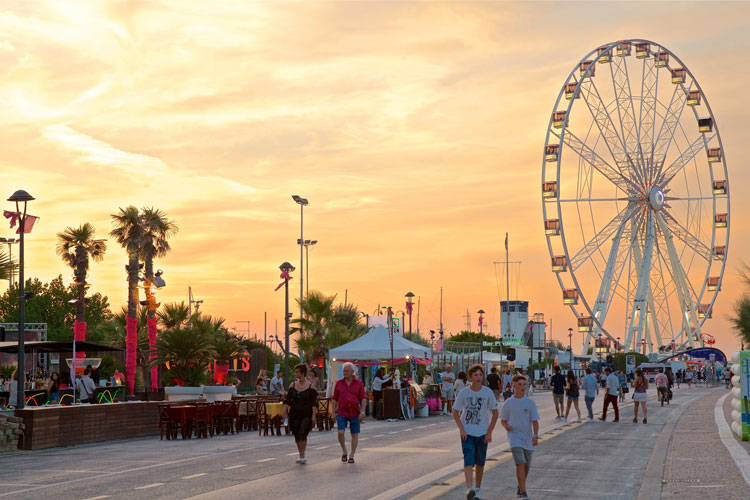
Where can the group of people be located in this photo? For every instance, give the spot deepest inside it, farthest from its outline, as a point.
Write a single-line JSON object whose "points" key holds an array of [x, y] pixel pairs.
{"points": [[85, 385], [275, 386]]}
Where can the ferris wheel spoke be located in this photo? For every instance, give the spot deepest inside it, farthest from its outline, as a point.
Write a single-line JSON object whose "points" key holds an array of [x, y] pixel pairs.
{"points": [[602, 237], [662, 285], [626, 112], [666, 175], [606, 127], [587, 200], [611, 173], [687, 237], [647, 118], [610, 279], [667, 130], [640, 301]]}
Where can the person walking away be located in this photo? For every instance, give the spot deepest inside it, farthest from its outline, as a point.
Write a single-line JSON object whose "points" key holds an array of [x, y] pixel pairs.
{"points": [[621, 389], [520, 418], [558, 391], [572, 391], [53, 388], [670, 382], [446, 386], [493, 382], [661, 386], [475, 413], [300, 409], [689, 377], [610, 395], [349, 400], [640, 386], [591, 388], [727, 373], [377, 390], [277, 384], [461, 382], [507, 385], [86, 387], [315, 381], [603, 379]]}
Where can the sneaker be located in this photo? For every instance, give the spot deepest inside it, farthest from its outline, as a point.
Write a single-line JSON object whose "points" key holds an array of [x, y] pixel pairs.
{"points": [[523, 496], [564, 419], [616, 420], [579, 420], [477, 494], [471, 494], [591, 420], [302, 461], [518, 491]]}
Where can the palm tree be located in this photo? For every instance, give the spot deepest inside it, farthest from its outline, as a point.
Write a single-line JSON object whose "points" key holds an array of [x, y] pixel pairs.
{"points": [[741, 319], [174, 315], [128, 232], [317, 313], [156, 231], [6, 266], [75, 246]]}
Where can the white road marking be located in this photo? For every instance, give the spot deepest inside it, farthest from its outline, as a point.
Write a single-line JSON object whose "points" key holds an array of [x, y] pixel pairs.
{"points": [[362, 439], [324, 447], [154, 485], [265, 460], [98, 498], [421, 427], [740, 456], [238, 466], [394, 449], [394, 432], [379, 435], [292, 454], [193, 476]]}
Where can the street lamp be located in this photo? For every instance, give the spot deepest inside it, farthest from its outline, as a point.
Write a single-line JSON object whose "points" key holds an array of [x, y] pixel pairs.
{"points": [[302, 202], [617, 347], [286, 268], [599, 346], [9, 242], [307, 244], [19, 197], [570, 346], [481, 334], [409, 307]]}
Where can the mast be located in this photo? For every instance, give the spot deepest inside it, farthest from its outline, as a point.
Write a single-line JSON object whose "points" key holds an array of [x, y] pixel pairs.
{"points": [[419, 302], [441, 311], [507, 284]]}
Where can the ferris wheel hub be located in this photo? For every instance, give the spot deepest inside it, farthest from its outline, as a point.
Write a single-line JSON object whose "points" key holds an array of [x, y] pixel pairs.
{"points": [[656, 198]]}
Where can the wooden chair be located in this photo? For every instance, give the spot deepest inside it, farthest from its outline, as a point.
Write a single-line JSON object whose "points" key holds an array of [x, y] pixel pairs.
{"points": [[168, 424], [248, 415], [264, 422], [323, 415], [202, 422]]}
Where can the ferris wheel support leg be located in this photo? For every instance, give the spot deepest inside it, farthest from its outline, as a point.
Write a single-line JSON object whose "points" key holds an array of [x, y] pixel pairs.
{"points": [[640, 309], [601, 306], [689, 313]]}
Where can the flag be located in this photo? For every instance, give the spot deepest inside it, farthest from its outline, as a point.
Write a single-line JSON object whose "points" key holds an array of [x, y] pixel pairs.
{"points": [[16, 216], [481, 319], [409, 307], [506, 242]]}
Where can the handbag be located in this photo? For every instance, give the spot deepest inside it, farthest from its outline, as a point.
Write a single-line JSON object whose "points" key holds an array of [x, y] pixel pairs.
{"points": [[625, 389]]}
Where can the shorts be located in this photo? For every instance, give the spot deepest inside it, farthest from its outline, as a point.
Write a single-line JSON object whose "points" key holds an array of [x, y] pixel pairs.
{"points": [[558, 398], [475, 450], [353, 424], [448, 394], [521, 456], [496, 392], [640, 397], [572, 398]]}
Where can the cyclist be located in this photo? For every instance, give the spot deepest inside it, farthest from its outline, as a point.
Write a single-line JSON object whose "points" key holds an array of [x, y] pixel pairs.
{"points": [[661, 386], [623, 384]]}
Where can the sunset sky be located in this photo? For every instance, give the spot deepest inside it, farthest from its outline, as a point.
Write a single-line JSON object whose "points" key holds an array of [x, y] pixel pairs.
{"points": [[415, 130]]}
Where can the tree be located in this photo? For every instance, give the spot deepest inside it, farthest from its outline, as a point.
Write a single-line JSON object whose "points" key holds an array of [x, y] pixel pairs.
{"points": [[128, 233], [466, 336], [75, 246], [49, 304], [741, 318], [157, 229], [6, 265], [173, 315], [317, 313]]}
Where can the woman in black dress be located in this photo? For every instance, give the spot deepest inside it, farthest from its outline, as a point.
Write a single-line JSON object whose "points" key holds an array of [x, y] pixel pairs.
{"points": [[301, 407]]}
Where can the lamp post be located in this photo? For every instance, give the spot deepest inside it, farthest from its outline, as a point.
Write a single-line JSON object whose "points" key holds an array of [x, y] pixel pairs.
{"points": [[481, 334], [9, 242], [409, 307], [599, 346], [570, 346], [302, 202], [617, 347], [286, 268], [390, 332], [307, 244], [19, 197]]}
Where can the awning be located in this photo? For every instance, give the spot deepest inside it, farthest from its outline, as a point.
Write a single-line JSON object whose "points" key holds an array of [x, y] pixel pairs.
{"points": [[41, 346]]}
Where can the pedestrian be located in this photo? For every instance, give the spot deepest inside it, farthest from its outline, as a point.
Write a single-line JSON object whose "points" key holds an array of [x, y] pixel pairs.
{"points": [[591, 388], [349, 400], [13, 388], [689, 377], [662, 383], [520, 418], [572, 391], [640, 386], [277, 384], [300, 409], [86, 388], [315, 381], [475, 414], [610, 395], [622, 388], [557, 381], [727, 373], [377, 390], [493, 382], [507, 385], [446, 386], [461, 382], [603, 378], [53, 388]]}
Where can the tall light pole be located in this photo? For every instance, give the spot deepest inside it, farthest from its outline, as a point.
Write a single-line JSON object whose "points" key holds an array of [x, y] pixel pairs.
{"points": [[570, 346], [9, 242], [599, 344], [409, 307], [481, 334], [302, 202], [307, 244], [19, 197], [286, 268]]}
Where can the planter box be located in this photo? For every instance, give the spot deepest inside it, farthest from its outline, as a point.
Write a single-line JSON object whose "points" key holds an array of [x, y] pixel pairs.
{"points": [[218, 392], [181, 393]]}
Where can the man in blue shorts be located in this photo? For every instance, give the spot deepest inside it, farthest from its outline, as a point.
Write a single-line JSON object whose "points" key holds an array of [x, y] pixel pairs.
{"points": [[349, 400]]}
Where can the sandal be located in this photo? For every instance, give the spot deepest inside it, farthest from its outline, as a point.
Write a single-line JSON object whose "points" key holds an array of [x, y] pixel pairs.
{"points": [[343, 458], [351, 460]]}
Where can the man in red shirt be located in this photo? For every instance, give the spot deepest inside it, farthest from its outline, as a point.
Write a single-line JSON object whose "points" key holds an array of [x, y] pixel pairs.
{"points": [[349, 399]]}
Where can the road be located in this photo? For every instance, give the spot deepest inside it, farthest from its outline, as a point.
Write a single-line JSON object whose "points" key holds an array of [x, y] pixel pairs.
{"points": [[420, 458]]}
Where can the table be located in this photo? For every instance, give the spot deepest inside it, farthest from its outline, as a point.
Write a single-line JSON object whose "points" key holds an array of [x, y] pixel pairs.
{"points": [[274, 410]]}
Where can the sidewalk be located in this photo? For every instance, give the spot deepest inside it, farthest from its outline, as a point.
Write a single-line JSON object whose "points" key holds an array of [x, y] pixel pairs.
{"points": [[614, 460]]}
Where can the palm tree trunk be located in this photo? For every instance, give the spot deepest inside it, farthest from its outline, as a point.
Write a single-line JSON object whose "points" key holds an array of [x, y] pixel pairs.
{"points": [[151, 321], [131, 323], [79, 327]]}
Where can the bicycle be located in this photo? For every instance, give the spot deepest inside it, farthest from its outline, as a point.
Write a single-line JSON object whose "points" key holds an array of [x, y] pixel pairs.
{"points": [[663, 395]]}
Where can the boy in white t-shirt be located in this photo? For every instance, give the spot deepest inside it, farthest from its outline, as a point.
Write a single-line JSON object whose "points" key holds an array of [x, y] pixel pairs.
{"points": [[520, 417], [475, 412]]}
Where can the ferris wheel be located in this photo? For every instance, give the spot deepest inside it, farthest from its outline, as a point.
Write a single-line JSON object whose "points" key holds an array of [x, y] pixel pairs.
{"points": [[635, 198]]}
